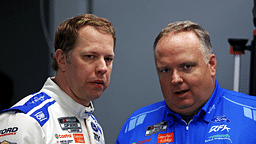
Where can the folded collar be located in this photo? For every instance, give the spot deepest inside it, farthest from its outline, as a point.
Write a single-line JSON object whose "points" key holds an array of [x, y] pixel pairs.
{"points": [[63, 99]]}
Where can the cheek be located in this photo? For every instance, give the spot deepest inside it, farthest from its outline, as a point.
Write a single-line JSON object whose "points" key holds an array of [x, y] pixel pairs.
{"points": [[109, 71], [165, 86], [198, 82], [107, 77]]}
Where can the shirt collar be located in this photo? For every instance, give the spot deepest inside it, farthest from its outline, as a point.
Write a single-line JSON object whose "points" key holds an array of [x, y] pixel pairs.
{"points": [[63, 99], [210, 107], [208, 110]]}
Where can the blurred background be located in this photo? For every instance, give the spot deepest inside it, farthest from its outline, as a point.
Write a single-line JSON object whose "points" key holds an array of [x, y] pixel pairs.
{"points": [[27, 31]]}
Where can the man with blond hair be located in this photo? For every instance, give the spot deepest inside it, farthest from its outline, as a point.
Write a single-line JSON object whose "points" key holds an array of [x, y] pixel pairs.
{"points": [[61, 112], [196, 109]]}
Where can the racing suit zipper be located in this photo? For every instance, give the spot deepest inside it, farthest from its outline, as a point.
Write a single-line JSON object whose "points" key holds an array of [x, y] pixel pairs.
{"points": [[187, 126], [186, 132], [88, 132]]}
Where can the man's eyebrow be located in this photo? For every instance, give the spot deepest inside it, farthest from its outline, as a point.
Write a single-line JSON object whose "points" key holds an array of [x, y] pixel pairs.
{"points": [[110, 54], [87, 51], [188, 63], [95, 52]]}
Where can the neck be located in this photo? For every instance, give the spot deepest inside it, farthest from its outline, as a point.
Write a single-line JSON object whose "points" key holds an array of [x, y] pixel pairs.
{"points": [[62, 83], [187, 118]]}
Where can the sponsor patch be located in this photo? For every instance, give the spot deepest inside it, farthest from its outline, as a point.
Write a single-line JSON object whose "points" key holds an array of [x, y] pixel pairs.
{"points": [[37, 98], [162, 126], [165, 138], [96, 137], [65, 142], [221, 119], [79, 138], [40, 116], [211, 108], [142, 142], [8, 131], [56, 136], [219, 128], [70, 124], [218, 137], [60, 136], [7, 142], [94, 127]]}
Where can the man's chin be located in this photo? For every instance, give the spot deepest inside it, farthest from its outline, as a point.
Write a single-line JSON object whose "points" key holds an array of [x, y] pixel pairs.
{"points": [[96, 95], [186, 109]]}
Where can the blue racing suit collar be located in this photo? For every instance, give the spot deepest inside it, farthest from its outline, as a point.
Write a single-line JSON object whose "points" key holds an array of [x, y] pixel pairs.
{"points": [[208, 110]]}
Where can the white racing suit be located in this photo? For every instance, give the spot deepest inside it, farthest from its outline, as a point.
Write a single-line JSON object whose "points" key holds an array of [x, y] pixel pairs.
{"points": [[49, 117]]}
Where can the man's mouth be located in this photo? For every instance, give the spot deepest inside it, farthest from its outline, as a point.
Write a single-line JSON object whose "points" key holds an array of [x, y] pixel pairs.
{"points": [[181, 92], [98, 82]]}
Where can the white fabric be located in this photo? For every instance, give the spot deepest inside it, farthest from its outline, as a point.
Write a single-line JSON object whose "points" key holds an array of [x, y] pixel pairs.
{"points": [[56, 120]]}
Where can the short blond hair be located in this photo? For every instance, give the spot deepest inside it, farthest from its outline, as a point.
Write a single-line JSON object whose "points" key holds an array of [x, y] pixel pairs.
{"points": [[201, 33], [67, 32]]}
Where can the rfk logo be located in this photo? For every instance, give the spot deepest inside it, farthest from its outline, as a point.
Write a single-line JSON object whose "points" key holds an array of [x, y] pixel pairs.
{"points": [[219, 127]]}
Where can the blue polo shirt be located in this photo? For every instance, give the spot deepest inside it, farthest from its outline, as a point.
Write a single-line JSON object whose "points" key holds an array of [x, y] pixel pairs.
{"points": [[227, 117]]}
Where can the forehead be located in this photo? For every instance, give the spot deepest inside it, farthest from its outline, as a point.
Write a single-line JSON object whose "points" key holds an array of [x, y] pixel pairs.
{"points": [[178, 42], [178, 46], [91, 39]]}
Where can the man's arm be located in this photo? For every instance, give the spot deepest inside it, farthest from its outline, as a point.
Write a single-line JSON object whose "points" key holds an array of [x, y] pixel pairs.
{"points": [[20, 128]]}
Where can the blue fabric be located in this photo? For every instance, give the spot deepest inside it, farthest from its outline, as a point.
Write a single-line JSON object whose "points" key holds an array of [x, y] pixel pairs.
{"points": [[41, 114], [227, 117]]}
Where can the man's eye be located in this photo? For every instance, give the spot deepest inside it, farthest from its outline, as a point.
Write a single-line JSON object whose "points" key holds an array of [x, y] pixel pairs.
{"points": [[187, 66], [88, 56], [109, 59], [164, 70]]}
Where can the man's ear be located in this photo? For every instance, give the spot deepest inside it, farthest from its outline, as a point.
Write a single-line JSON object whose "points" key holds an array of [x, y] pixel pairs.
{"points": [[61, 59], [212, 65]]}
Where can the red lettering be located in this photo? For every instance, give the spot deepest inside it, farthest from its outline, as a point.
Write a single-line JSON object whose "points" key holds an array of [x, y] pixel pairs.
{"points": [[165, 138], [144, 141], [65, 136]]}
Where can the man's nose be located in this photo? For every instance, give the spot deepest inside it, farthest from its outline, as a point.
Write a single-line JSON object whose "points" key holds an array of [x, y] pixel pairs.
{"points": [[176, 77], [101, 66]]}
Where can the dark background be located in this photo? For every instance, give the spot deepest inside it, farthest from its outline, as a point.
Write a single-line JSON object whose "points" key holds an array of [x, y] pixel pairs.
{"points": [[24, 52], [26, 45]]}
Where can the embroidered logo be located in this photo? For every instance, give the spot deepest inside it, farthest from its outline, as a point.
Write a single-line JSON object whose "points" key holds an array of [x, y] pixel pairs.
{"points": [[221, 119], [79, 138], [8, 131], [96, 137], [218, 137], [142, 142], [162, 126], [71, 124], [40, 116], [165, 138], [7, 142], [219, 128], [94, 127]]}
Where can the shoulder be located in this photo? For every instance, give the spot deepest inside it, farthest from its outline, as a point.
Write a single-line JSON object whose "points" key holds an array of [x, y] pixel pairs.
{"points": [[243, 104], [11, 118], [237, 98], [35, 106], [153, 111], [16, 127], [140, 119], [150, 109]]}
